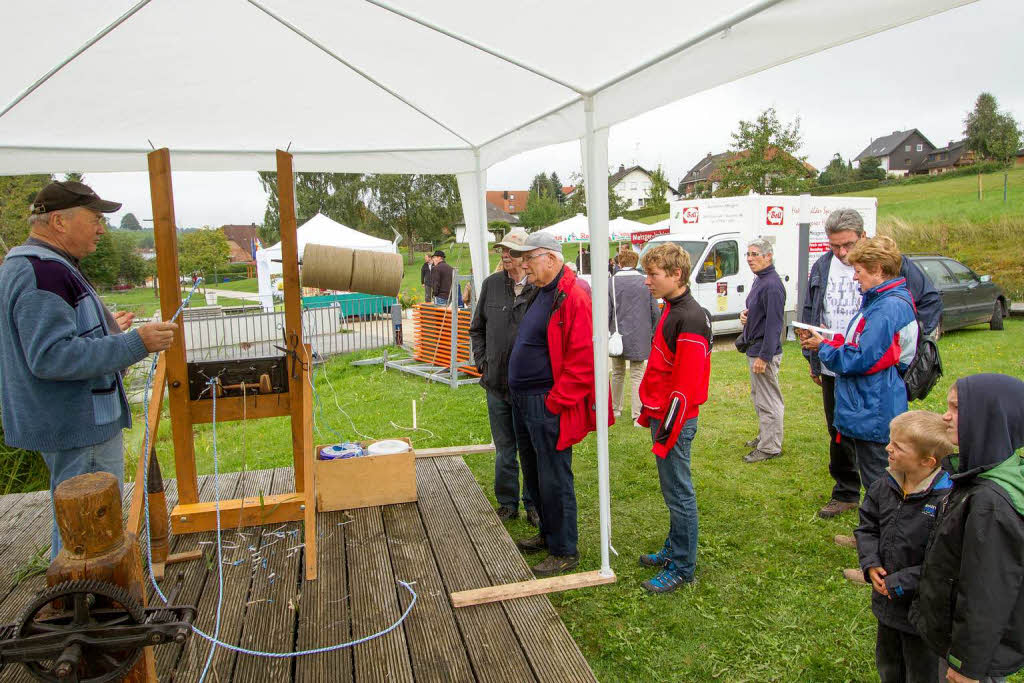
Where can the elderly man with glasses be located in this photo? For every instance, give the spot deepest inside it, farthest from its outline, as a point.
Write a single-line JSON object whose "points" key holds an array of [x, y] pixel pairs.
{"points": [[504, 297], [833, 297], [763, 322], [551, 380]]}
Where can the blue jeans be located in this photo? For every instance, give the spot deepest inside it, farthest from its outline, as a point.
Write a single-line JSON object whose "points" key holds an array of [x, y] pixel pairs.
{"points": [[506, 465], [681, 499], [547, 472], [441, 300], [102, 457]]}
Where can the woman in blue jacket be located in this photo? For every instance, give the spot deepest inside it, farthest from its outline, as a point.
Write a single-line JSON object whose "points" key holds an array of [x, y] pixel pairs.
{"points": [[869, 358]]}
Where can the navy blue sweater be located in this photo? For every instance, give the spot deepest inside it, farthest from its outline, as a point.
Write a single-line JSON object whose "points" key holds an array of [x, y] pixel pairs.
{"points": [[529, 364], [766, 305]]}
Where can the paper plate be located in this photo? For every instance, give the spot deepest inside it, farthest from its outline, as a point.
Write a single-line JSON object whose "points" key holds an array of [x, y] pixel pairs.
{"points": [[387, 447]]}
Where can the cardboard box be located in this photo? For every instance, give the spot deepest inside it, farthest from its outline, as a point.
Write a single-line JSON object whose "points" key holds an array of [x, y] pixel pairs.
{"points": [[366, 481]]}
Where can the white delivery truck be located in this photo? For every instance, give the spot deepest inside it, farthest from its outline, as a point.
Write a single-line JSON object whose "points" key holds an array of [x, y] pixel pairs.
{"points": [[715, 233]]}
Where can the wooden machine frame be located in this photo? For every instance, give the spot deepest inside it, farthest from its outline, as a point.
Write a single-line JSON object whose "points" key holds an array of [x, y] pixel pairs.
{"points": [[190, 515]]}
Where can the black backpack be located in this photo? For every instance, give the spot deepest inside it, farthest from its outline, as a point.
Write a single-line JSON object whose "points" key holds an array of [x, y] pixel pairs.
{"points": [[926, 367]]}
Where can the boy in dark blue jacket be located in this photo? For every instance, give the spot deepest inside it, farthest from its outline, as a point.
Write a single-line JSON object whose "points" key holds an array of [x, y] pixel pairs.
{"points": [[897, 515]]}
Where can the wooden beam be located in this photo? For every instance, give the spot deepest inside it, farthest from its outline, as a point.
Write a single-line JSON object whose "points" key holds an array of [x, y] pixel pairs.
{"points": [[251, 511], [308, 485], [509, 591], [230, 408], [454, 450], [135, 517], [292, 309], [165, 236]]}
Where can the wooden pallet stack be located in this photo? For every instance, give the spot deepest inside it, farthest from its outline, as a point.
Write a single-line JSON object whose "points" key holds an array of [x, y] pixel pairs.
{"points": [[432, 325]]}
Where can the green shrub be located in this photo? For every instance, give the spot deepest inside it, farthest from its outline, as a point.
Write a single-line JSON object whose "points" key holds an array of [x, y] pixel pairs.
{"points": [[21, 470]]}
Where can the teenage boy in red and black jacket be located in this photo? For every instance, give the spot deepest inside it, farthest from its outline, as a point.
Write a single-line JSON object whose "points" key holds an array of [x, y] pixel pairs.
{"points": [[675, 384]]}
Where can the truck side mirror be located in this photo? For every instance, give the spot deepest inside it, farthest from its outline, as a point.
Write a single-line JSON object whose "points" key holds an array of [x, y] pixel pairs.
{"points": [[707, 273], [985, 278]]}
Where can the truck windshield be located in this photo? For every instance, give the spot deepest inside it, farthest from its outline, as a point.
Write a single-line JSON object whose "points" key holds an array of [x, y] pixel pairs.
{"points": [[694, 249]]}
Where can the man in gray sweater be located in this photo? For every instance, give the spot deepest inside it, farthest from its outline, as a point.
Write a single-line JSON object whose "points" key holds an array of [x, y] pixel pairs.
{"points": [[61, 351]]}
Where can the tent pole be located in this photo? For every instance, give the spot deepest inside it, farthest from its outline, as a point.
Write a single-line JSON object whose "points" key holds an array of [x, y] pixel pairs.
{"points": [[481, 190], [595, 180]]}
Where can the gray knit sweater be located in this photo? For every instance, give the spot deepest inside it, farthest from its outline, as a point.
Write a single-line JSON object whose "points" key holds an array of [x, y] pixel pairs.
{"points": [[60, 357]]}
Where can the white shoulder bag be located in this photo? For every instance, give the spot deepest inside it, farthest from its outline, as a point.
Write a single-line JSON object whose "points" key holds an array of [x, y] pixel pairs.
{"points": [[614, 339]]}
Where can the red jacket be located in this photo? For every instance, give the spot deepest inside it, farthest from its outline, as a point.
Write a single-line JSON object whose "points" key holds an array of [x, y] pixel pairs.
{"points": [[676, 380], [571, 347]]}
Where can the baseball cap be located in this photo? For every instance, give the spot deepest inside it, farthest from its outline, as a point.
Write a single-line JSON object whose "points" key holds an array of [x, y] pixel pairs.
{"points": [[67, 195], [514, 239], [439, 253], [539, 240]]}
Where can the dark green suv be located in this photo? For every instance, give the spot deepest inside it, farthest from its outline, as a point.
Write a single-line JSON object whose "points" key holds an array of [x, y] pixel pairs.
{"points": [[967, 298]]}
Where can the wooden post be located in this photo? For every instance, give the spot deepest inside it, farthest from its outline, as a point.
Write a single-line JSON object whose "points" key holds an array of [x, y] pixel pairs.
{"points": [[88, 511], [301, 364], [165, 237], [979, 187]]}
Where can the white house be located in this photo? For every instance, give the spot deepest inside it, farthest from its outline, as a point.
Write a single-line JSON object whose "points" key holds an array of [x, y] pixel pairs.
{"points": [[634, 184]]}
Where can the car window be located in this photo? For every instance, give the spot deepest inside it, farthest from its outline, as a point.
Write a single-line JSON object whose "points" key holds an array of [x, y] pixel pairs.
{"points": [[937, 273], [726, 259], [961, 273], [694, 249]]}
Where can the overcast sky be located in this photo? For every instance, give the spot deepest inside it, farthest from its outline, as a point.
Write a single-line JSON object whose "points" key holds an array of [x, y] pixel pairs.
{"points": [[925, 75]]}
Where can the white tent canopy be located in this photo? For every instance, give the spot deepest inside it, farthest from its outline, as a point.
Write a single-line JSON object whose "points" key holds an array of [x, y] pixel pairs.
{"points": [[416, 86], [577, 229], [317, 230]]}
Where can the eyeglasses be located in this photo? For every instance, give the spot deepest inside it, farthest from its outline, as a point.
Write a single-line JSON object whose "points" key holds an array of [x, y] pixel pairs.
{"points": [[527, 259], [753, 254], [847, 246]]}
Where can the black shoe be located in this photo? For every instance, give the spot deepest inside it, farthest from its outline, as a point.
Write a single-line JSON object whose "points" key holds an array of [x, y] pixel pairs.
{"points": [[753, 442], [835, 508], [507, 512], [533, 517], [556, 564], [533, 544]]}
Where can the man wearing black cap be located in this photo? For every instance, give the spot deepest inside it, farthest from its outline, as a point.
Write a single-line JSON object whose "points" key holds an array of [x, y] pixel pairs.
{"points": [[61, 351], [441, 279]]}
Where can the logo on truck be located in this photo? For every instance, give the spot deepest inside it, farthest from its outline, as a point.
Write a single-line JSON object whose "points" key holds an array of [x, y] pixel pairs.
{"points": [[774, 216], [691, 214]]}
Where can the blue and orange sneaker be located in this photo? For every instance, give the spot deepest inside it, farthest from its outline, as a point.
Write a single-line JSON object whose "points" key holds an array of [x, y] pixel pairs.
{"points": [[667, 580], [658, 559]]}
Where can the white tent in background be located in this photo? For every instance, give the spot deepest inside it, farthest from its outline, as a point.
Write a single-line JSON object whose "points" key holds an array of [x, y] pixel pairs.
{"points": [[625, 227], [577, 229], [431, 79], [317, 230]]}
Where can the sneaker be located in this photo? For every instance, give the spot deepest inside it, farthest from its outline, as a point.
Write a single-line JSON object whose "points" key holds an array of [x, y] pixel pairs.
{"points": [[834, 508], [667, 580], [556, 564], [507, 512], [533, 544], [658, 559], [846, 541], [757, 455], [855, 576], [636, 423], [533, 517], [753, 442]]}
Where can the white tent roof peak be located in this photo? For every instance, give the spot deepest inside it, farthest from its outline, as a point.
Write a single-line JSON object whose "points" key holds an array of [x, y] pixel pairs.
{"points": [[415, 85]]}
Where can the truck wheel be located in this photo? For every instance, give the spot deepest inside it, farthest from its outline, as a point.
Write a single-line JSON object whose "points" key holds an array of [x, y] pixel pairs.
{"points": [[996, 323]]}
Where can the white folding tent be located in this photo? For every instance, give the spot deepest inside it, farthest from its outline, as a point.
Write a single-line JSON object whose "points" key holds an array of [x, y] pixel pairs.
{"points": [[401, 86], [317, 230]]}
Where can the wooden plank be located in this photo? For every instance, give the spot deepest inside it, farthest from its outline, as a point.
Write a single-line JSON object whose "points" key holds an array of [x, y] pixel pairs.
{"points": [[492, 646], [238, 570], [366, 482], [24, 531], [455, 450], [165, 237], [435, 646], [374, 601], [523, 589], [269, 615], [230, 408], [246, 512], [308, 487], [134, 523], [551, 650], [301, 432], [324, 608]]}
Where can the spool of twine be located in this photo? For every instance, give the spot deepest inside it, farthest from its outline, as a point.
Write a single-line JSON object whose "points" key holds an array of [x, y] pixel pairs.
{"points": [[351, 270]]}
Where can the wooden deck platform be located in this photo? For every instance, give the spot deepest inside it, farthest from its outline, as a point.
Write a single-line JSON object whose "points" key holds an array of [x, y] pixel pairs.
{"points": [[449, 540]]}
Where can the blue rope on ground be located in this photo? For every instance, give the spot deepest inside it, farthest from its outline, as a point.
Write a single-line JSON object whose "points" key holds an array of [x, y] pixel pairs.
{"points": [[214, 640]]}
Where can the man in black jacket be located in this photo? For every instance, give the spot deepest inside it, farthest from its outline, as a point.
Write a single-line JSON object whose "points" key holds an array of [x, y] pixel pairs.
{"points": [[831, 301], [970, 601], [504, 297], [441, 279]]}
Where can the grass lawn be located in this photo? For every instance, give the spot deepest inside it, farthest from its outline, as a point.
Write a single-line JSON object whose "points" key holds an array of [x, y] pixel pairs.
{"points": [[143, 303], [770, 602], [246, 285]]}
